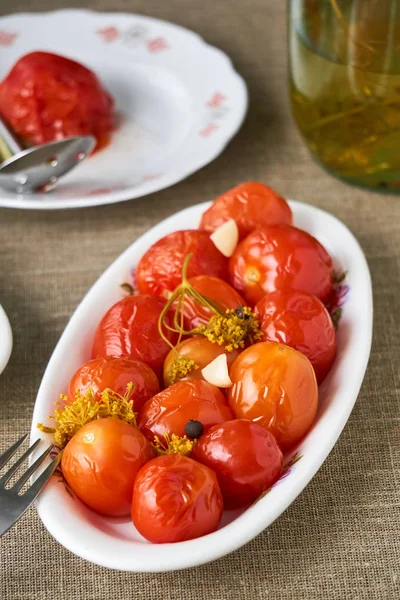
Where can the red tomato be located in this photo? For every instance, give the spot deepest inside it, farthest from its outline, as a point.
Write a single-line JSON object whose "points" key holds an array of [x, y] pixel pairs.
{"points": [[245, 458], [170, 410], [160, 268], [202, 352], [251, 205], [217, 290], [278, 257], [275, 386], [116, 373], [130, 329], [100, 464], [174, 499], [299, 320], [47, 97]]}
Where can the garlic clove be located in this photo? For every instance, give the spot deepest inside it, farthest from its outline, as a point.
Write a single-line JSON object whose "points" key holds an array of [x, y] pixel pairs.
{"points": [[216, 372], [226, 237]]}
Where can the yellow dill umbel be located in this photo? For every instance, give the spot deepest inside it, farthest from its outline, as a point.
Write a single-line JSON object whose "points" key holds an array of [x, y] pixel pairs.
{"points": [[180, 367], [232, 329], [70, 418], [173, 445]]}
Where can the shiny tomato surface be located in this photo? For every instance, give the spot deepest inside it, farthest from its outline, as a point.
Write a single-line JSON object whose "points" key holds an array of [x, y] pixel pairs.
{"points": [[160, 268], [130, 329], [174, 499], [251, 205], [115, 373], [245, 458], [300, 320], [219, 291], [275, 386], [170, 410], [100, 464], [47, 97], [202, 352], [277, 257]]}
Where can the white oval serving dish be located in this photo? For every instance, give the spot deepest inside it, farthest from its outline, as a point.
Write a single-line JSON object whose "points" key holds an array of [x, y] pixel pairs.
{"points": [[115, 543]]}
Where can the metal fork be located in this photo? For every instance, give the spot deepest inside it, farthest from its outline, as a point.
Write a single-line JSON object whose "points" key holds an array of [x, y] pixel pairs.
{"points": [[12, 504]]}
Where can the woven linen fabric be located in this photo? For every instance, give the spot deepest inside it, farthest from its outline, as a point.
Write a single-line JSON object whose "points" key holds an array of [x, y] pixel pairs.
{"points": [[341, 538]]}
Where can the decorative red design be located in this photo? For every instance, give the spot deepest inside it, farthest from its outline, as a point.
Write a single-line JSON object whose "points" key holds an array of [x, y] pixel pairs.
{"points": [[109, 34], [216, 100], [101, 191], [209, 129], [7, 38], [151, 177], [157, 45]]}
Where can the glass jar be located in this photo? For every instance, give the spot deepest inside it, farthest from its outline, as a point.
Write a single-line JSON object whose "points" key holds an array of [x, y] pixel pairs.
{"points": [[344, 58]]}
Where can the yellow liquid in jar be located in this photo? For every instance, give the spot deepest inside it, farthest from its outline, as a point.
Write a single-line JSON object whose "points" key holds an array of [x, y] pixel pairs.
{"points": [[349, 112]]}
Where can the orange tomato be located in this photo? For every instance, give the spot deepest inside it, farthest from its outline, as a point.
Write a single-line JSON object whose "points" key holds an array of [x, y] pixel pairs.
{"points": [[202, 351], [170, 410], [244, 456], [278, 257], [160, 268], [174, 499], [251, 205], [115, 373], [217, 290], [130, 329], [100, 464], [275, 386], [300, 320]]}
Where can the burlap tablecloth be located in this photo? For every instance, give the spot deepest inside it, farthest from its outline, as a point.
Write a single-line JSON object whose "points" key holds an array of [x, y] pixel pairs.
{"points": [[341, 537]]}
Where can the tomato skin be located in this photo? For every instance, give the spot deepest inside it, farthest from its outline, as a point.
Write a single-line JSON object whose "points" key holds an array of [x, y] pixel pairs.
{"points": [[115, 373], [47, 97], [217, 290], [251, 205], [175, 499], [300, 320], [200, 350], [160, 268], [275, 386], [245, 458], [277, 257], [171, 409], [130, 329], [100, 464]]}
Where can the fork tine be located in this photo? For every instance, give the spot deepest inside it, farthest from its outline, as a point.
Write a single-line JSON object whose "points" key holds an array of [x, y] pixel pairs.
{"points": [[17, 464], [25, 476], [4, 458], [40, 482]]}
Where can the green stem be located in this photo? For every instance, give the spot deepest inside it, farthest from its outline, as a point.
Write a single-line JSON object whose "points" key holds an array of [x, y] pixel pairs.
{"points": [[342, 20], [163, 314], [205, 301], [185, 267], [182, 315]]}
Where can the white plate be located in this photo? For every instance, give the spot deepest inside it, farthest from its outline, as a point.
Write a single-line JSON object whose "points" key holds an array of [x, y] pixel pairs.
{"points": [[180, 100], [6, 339], [116, 544]]}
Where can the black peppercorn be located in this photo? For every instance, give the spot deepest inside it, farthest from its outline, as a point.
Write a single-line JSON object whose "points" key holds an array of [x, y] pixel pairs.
{"points": [[194, 429], [239, 313]]}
